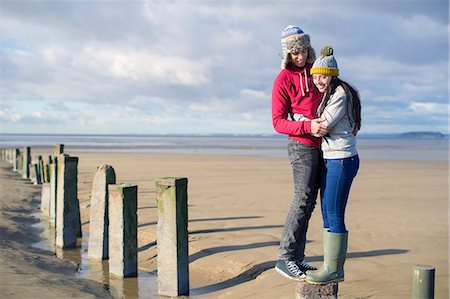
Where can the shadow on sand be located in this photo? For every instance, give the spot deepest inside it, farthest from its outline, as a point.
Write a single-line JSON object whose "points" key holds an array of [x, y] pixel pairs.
{"points": [[151, 244], [204, 220], [213, 250], [256, 270]]}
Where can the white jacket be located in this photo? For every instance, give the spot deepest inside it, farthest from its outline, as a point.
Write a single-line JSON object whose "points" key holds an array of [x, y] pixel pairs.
{"points": [[340, 141]]}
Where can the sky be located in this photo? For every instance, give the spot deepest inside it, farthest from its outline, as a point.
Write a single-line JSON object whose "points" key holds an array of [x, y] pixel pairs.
{"points": [[207, 67]]}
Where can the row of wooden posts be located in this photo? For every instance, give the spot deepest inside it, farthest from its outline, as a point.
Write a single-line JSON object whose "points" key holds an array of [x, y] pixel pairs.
{"points": [[114, 240]]}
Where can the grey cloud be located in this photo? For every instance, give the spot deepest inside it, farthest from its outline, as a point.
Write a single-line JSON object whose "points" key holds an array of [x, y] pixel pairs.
{"points": [[84, 20]]}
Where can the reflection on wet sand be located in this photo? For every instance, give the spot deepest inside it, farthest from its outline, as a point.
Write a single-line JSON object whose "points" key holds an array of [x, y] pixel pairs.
{"points": [[142, 286]]}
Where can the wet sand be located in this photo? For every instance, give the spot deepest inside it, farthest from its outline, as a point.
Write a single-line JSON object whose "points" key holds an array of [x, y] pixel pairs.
{"points": [[26, 271], [397, 217]]}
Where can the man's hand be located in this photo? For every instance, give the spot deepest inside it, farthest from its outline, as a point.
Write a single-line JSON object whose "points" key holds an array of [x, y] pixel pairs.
{"points": [[317, 128]]}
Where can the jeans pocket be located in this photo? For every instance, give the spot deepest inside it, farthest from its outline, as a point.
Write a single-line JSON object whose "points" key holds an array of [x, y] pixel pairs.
{"points": [[293, 152], [298, 152]]}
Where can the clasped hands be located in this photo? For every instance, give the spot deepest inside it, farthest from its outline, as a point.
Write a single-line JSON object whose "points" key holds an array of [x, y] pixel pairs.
{"points": [[317, 128]]}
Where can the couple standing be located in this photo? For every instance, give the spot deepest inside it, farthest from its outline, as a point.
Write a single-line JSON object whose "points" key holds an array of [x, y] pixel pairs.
{"points": [[321, 120]]}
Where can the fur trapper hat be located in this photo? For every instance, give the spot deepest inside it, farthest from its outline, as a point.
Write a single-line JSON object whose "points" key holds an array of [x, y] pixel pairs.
{"points": [[293, 39]]}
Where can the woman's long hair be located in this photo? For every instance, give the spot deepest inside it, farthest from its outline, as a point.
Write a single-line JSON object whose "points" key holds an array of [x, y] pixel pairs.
{"points": [[353, 101]]}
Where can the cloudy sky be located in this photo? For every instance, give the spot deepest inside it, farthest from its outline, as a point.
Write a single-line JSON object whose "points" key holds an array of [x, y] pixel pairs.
{"points": [[173, 67]]}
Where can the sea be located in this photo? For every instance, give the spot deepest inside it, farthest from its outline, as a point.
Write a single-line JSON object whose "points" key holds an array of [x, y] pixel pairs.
{"points": [[421, 147]]}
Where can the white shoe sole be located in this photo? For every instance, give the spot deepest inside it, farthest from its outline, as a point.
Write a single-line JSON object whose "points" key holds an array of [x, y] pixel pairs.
{"points": [[301, 278]]}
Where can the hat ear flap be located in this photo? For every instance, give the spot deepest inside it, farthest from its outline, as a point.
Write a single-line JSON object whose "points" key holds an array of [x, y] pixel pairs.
{"points": [[284, 61], [311, 55]]}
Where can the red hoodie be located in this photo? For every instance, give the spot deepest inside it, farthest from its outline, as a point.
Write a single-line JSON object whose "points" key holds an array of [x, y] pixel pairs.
{"points": [[293, 92]]}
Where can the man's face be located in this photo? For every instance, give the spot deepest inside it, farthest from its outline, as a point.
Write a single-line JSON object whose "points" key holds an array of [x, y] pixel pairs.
{"points": [[299, 57]]}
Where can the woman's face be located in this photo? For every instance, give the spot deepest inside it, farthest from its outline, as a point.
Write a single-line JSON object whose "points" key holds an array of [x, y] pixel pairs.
{"points": [[299, 58], [321, 81]]}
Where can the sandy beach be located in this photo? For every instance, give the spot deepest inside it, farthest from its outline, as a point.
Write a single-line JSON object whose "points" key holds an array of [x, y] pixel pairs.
{"points": [[397, 217]]}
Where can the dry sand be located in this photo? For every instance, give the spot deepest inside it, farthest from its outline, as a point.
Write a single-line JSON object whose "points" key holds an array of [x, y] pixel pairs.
{"points": [[397, 217]]}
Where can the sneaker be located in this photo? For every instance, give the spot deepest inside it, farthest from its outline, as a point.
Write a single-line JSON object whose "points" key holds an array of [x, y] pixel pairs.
{"points": [[289, 269], [304, 266]]}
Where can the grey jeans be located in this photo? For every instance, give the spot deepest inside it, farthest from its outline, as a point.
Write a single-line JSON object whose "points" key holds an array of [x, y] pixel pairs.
{"points": [[306, 164]]}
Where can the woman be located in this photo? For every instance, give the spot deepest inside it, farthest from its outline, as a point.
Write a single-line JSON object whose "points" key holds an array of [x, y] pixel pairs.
{"points": [[340, 110]]}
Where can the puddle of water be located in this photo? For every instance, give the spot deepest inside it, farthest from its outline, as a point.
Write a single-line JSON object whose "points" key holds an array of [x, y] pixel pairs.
{"points": [[142, 286]]}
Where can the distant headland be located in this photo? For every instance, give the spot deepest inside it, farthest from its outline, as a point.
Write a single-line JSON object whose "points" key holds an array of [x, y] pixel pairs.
{"points": [[423, 135]]}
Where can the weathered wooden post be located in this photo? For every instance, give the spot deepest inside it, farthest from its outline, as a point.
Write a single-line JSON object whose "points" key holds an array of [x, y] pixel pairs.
{"points": [[32, 177], [46, 178], [35, 170], [68, 225], [12, 153], [20, 163], [45, 199], [172, 235], [47, 168], [26, 160], [306, 290], [99, 221], [53, 191], [35, 176], [16, 155], [59, 149], [41, 169], [123, 230], [423, 282]]}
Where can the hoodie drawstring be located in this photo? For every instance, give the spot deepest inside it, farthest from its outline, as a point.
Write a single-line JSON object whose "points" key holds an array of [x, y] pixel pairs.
{"points": [[306, 80], [301, 82]]}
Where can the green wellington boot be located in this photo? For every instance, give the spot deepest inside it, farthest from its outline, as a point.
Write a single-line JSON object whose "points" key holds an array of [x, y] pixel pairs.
{"points": [[335, 251], [325, 232]]}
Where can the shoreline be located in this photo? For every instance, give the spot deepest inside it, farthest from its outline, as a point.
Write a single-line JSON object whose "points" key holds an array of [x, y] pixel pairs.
{"points": [[225, 153], [376, 147], [237, 206]]}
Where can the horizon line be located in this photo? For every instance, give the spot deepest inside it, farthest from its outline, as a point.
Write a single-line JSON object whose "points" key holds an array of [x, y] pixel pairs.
{"points": [[211, 134]]}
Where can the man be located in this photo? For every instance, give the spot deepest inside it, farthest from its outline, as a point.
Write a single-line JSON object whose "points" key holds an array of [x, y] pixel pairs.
{"points": [[294, 93]]}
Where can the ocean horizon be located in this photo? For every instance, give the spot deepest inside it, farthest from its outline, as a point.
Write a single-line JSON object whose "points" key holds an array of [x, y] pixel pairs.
{"points": [[422, 146]]}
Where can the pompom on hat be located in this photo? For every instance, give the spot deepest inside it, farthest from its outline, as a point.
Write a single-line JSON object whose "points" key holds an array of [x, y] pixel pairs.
{"points": [[326, 64], [293, 39]]}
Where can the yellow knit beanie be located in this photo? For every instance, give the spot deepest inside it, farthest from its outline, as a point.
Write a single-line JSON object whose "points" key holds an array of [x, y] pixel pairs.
{"points": [[326, 64]]}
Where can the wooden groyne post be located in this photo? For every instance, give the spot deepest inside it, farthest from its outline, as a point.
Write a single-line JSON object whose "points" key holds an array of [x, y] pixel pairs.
{"points": [[99, 219], [45, 199], [123, 230], [26, 160], [58, 150], [16, 157], [53, 190], [172, 235], [68, 226], [423, 282]]}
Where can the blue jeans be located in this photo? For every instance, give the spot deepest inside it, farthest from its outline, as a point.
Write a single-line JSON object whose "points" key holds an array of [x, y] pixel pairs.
{"points": [[306, 164], [337, 178]]}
